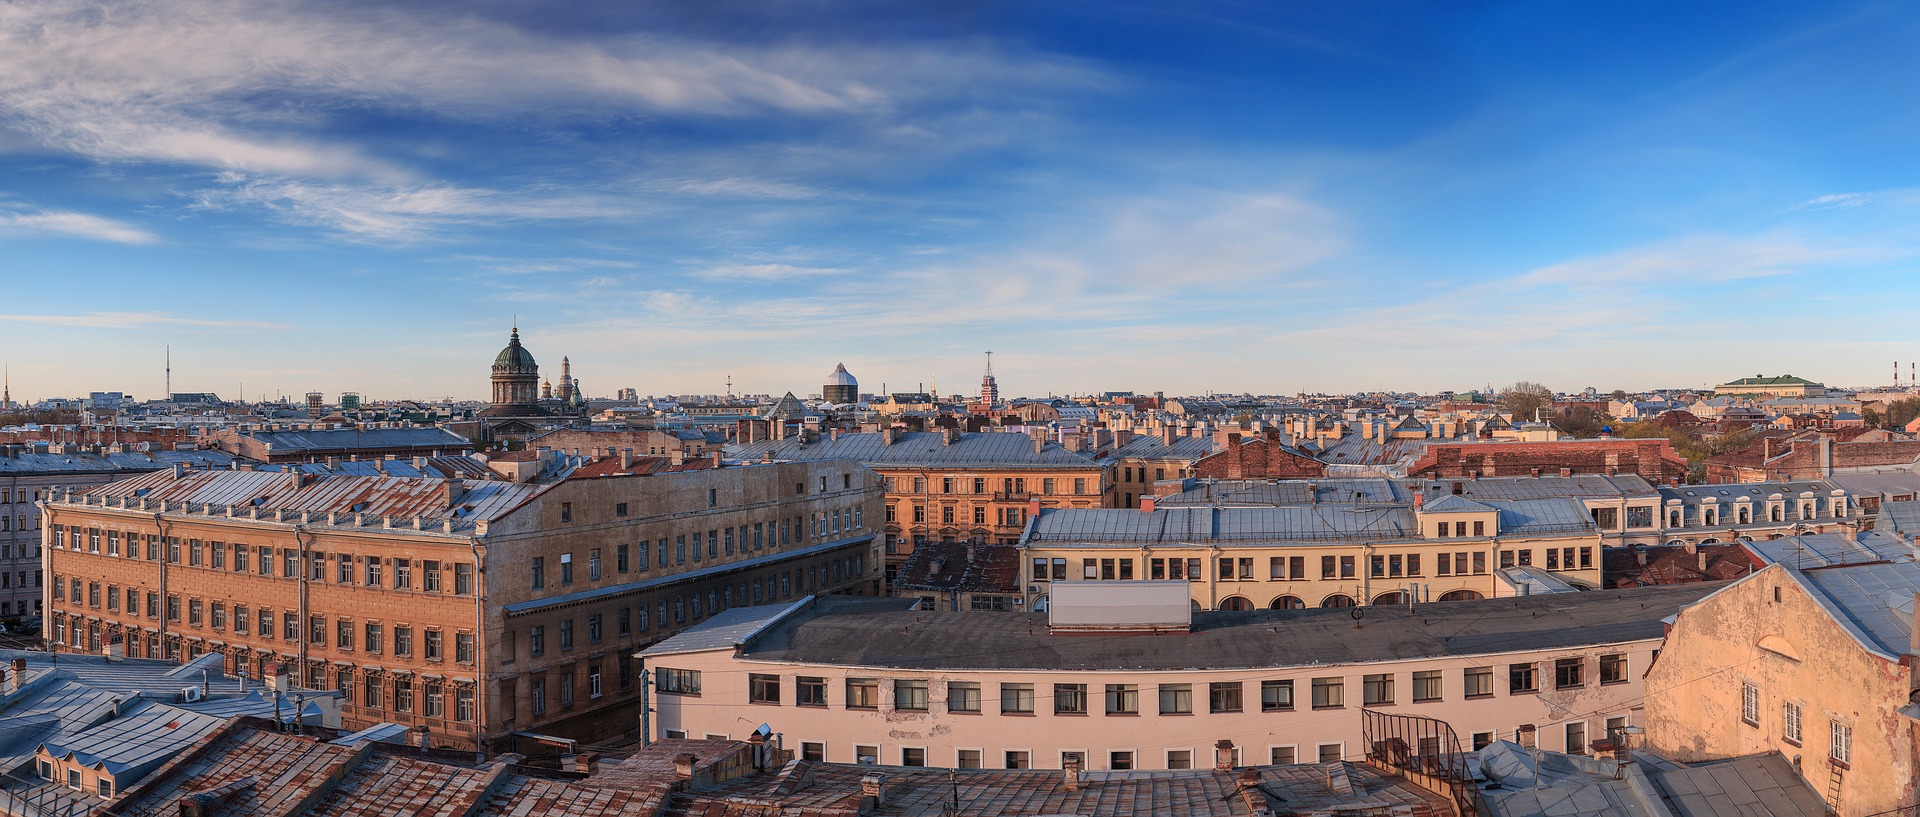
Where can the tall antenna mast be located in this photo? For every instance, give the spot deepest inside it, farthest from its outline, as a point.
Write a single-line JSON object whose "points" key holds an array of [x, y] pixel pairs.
{"points": [[169, 395]]}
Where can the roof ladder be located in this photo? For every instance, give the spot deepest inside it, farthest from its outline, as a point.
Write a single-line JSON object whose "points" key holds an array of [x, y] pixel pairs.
{"points": [[1833, 790]]}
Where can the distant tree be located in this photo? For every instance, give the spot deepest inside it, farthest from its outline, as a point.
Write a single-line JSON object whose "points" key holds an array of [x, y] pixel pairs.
{"points": [[1902, 412], [1619, 394], [1873, 416], [1524, 397], [1581, 421]]}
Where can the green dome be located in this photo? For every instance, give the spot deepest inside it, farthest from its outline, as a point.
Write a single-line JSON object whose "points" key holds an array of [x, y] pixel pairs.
{"points": [[514, 356]]}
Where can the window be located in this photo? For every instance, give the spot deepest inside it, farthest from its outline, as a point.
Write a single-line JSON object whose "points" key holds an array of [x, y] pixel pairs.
{"points": [[432, 651], [622, 555], [1790, 722], [863, 693], [463, 579], [810, 690], [910, 694], [1523, 678], [1223, 696], [536, 641], [913, 756], [1329, 693], [1569, 673], [566, 636], [372, 638], [1176, 699], [403, 641], [810, 750], [1840, 748], [763, 689], [1426, 685], [1120, 760], [1124, 699], [1069, 699], [430, 581], [1276, 696], [1332, 752], [566, 569], [1478, 681], [1016, 699], [963, 696], [1377, 689], [677, 681], [1613, 669], [463, 648], [1749, 704], [1577, 738], [1018, 759]]}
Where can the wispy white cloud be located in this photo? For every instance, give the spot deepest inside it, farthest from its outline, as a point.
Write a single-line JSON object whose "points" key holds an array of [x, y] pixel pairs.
{"points": [[28, 223], [142, 320], [396, 213], [768, 272], [1697, 259]]}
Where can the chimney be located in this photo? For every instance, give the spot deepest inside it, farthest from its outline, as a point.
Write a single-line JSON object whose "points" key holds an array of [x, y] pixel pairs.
{"points": [[1166, 435], [626, 458], [277, 678], [833, 434], [1703, 561], [1418, 498], [179, 470], [1033, 507], [716, 458], [873, 787], [19, 675], [1039, 441], [1146, 503], [1640, 555], [683, 765], [1692, 548], [333, 463], [678, 456], [115, 649], [1070, 773], [1223, 755]]}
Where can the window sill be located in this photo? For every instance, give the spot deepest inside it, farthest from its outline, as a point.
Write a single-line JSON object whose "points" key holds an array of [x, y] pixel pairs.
{"points": [[1613, 683], [1277, 709], [963, 712], [1334, 706], [1123, 714], [1176, 714], [1017, 714], [1754, 724], [1428, 700], [1481, 696], [1790, 742]]}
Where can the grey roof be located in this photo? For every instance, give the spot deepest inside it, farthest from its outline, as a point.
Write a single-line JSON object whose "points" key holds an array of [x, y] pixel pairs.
{"points": [[683, 576], [1551, 784], [1873, 601], [362, 438], [1451, 503], [1878, 482], [1904, 516], [136, 742], [1578, 486], [130, 462], [1151, 447], [1293, 523], [847, 630], [1537, 580], [1755, 491], [736, 626], [976, 450], [1259, 492], [1827, 549]]}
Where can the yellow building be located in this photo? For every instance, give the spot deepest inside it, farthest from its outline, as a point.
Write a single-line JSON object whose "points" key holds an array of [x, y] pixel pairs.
{"points": [[1323, 555]]}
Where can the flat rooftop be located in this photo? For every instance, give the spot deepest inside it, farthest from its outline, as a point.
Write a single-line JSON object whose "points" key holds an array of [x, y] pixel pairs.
{"points": [[881, 633]]}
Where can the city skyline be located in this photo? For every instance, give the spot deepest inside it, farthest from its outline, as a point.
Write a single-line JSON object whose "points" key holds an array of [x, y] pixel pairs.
{"points": [[356, 197]]}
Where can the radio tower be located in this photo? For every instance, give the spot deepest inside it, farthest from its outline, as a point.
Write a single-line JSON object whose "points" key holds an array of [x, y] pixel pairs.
{"points": [[169, 394]]}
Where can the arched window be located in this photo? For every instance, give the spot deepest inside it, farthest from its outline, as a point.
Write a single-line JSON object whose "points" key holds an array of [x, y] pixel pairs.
{"points": [[1235, 604], [1395, 597], [1286, 603], [1746, 515], [1461, 595], [1673, 519], [1337, 600], [1775, 512]]}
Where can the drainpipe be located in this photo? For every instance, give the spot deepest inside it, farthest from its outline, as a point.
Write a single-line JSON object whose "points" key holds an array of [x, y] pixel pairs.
{"points": [[300, 625], [479, 647], [1365, 569], [159, 527]]}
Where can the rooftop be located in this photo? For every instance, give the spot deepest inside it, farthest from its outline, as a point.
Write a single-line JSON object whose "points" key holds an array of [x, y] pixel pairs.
{"points": [[1293, 523], [883, 633], [920, 449], [343, 439]]}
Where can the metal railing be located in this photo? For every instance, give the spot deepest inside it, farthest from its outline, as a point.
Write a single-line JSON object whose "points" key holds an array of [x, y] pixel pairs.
{"points": [[1421, 746]]}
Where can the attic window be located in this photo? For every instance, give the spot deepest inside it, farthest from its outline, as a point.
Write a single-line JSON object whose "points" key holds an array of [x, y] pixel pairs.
{"points": [[358, 507], [259, 500], [1690, 493]]}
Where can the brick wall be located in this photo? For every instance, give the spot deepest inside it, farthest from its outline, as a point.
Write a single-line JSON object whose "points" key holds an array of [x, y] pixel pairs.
{"points": [[1653, 459]]}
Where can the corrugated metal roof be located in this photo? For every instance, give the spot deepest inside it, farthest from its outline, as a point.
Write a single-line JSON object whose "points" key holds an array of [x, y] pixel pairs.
{"points": [[1293, 523], [1827, 549], [374, 496], [84, 463], [1287, 492], [733, 627], [361, 439]]}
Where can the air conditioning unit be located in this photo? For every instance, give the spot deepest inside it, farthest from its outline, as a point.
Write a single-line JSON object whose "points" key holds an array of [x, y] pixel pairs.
{"points": [[189, 694]]}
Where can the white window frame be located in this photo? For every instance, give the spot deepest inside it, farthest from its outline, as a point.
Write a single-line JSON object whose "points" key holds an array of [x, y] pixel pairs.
{"points": [[1840, 741], [1792, 721], [1749, 703], [1294, 746], [1317, 753]]}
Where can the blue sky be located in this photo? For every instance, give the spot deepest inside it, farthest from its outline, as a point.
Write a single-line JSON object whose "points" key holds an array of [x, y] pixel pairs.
{"points": [[1267, 197]]}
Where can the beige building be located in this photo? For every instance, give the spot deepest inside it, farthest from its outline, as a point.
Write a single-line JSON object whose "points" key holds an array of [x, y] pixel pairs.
{"points": [[1316, 555], [1818, 664], [949, 486], [846, 679], [486, 612]]}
